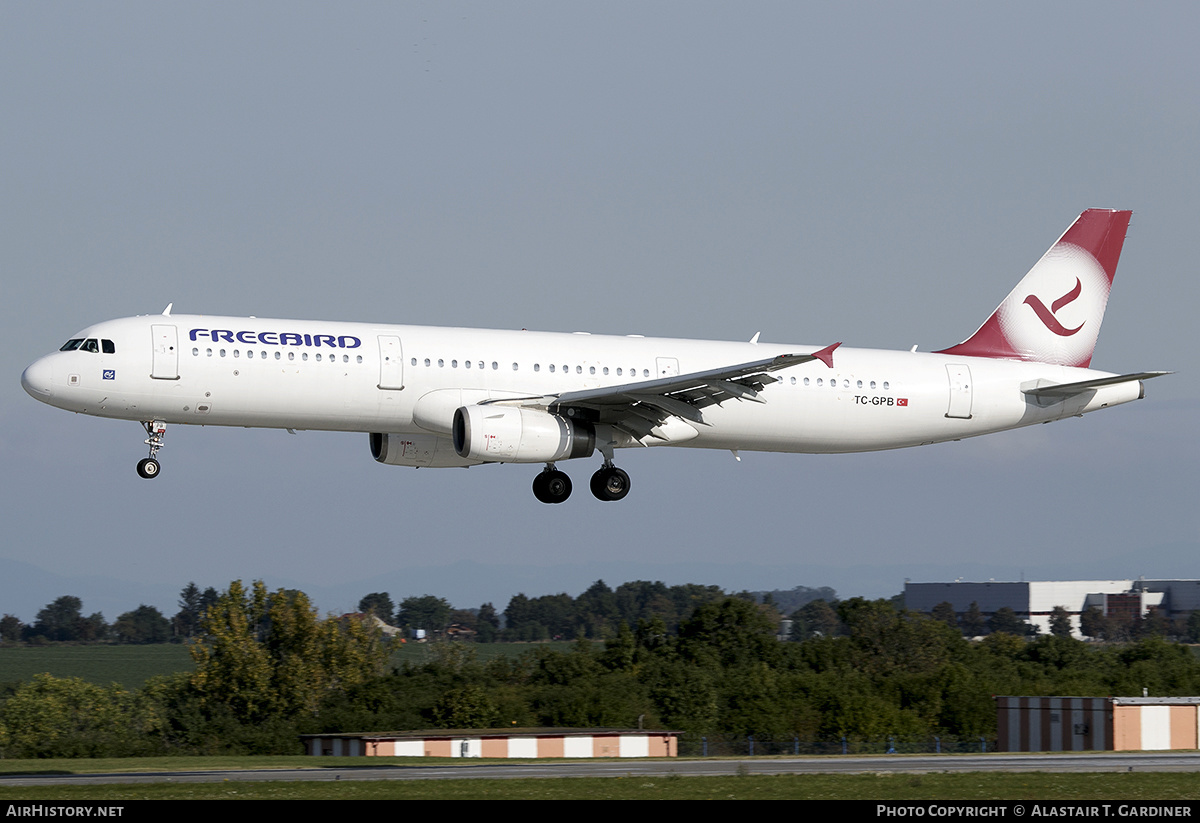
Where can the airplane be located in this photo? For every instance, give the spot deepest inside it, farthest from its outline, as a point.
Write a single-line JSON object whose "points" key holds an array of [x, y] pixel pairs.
{"points": [[450, 397]]}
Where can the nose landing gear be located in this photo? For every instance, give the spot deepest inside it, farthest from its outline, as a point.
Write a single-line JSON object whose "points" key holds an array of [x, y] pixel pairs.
{"points": [[148, 467]]}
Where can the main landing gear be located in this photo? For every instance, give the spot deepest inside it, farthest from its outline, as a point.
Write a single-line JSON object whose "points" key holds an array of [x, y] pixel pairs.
{"points": [[148, 467], [551, 485], [608, 483]]}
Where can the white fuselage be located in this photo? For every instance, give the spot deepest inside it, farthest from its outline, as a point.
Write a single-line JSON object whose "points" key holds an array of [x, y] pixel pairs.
{"points": [[297, 374]]}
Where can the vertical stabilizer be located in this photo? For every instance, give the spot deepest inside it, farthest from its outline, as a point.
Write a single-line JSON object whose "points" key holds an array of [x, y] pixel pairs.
{"points": [[1054, 313]]}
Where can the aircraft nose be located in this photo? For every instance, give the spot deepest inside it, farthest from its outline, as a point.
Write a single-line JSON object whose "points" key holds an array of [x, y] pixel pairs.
{"points": [[38, 379]]}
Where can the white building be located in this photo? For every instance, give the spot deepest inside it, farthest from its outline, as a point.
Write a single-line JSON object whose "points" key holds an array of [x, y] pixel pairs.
{"points": [[1034, 601]]}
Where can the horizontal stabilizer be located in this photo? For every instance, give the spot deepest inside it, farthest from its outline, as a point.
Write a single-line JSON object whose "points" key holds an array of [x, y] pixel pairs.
{"points": [[1069, 389]]}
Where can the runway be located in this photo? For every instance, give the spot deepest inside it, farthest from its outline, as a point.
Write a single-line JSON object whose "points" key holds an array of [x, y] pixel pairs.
{"points": [[1062, 762]]}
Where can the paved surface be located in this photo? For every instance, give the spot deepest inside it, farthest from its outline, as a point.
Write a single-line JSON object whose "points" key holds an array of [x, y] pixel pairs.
{"points": [[458, 769]]}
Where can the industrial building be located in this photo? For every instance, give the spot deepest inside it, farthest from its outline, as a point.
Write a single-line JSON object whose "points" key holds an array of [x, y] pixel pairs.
{"points": [[505, 743], [1074, 724], [1034, 601]]}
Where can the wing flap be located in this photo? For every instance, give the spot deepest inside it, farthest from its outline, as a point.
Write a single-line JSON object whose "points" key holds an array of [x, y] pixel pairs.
{"points": [[697, 387], [639, 408]]}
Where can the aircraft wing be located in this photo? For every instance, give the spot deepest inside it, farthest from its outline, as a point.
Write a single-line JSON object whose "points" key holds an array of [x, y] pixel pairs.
{"points": [[640, 407], [1068, 389]]}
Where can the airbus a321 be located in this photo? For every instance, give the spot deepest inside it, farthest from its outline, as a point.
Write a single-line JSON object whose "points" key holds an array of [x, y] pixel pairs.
{"points": [[439, 397]]}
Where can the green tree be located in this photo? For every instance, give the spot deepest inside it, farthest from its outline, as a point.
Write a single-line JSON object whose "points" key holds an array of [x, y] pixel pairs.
{"points": [[11, 629], [973, 622], [944, 613], [145, 624], [466, 707], [728, 633], [426, 612], [1060, 622], [487, 623], [378, 604], [265, 656], [1093, 623], [1192, 627], [186, 621], [1006, 620], [61, 620], [68, 717]]}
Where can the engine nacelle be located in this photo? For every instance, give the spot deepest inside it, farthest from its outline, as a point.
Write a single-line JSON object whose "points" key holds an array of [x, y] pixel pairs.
{"points": [[506, 434], [416, 450]]}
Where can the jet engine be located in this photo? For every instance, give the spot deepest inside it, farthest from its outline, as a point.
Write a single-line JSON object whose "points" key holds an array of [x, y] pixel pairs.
{"points": [[506, 434], [415, 450]]}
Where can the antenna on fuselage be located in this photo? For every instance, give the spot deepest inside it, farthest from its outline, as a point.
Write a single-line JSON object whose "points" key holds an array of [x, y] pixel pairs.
{"points": [[167, 310]]}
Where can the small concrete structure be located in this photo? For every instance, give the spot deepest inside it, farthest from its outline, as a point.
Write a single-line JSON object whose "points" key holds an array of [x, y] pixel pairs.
{"points": [[524, 743], [1072, 724]]}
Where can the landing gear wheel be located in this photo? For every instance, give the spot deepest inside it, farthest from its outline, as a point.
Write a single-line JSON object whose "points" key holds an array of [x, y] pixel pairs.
{"points": [[610, 483], [148, 466], [551, 486]]}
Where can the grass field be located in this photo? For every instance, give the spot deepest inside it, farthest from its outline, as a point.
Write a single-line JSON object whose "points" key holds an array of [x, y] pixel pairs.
{"points": [[131, 666]]}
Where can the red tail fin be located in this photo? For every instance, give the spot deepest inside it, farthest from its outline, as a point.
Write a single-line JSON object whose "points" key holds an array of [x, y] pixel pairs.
{"points": [[1054, 313]]}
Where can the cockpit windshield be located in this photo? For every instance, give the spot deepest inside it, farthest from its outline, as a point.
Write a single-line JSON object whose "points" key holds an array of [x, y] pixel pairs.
{"points": [[90, 344]]}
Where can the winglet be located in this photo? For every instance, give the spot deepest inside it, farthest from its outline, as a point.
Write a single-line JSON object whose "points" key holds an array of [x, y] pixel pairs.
{"points": [[825, 355]]}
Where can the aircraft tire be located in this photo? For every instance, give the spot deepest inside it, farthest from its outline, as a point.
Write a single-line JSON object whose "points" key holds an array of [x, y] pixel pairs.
{"points": [[610, 483], [148, 468], [552, 486]]}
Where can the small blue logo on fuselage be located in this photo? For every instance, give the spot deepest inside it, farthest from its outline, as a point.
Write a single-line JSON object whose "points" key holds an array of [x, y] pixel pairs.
{"points": [[109, 374]]}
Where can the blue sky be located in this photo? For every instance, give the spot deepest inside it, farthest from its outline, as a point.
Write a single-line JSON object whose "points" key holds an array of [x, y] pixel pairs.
{"points": [[879, 174]]}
